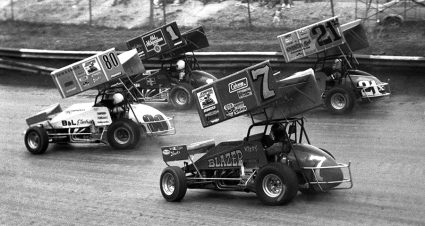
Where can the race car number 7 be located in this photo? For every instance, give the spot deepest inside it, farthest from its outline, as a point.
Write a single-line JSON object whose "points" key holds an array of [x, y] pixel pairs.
{"points": [[321, 159], [263, 72]]}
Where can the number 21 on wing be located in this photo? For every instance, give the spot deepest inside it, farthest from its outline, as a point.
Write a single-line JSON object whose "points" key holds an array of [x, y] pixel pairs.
{"points": [[326, 33]]}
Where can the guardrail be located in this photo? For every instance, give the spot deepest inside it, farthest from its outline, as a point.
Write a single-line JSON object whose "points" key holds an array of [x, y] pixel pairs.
{"points": [[24, 59]]}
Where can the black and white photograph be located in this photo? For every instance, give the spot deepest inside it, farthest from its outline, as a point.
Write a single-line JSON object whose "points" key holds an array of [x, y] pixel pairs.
{"points": [[212, 112]]}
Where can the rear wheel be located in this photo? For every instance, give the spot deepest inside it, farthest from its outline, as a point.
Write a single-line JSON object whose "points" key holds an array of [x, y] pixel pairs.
{"points": [[340, 100], [181, 96], [123, 134], [173, 184], [276, 184], [36, 140], [392, 22]]}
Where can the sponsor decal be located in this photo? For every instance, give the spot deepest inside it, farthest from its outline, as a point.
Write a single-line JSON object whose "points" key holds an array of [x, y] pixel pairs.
{"points": [[150, 81], [244, 93], [154, 41], [101, 113], [76, 123], [230, 159], [173, 151], [210, 109], [207, 98], [74, 110], [166, 152], [238, 85], [102, 117], [103, 122], [211, 113], [91, 66], [251, 148], [234, 109], [63, 72]]}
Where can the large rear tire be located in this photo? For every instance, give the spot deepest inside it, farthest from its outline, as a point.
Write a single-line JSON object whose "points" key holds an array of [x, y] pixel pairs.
{"points": [[123, 134], [181, 96], [36, 140], [173, 184], [393, 22], [276, 184], [340, 100]]}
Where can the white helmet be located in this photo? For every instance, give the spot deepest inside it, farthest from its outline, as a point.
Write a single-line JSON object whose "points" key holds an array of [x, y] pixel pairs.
{"points": [[180, 64], [117, 98]]}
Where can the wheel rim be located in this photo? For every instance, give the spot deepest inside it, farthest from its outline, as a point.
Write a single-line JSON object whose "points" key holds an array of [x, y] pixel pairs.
{"points": [[273, 186], [122, 135], [338, 101], [33, 140], [168, 184], [181, 97]]}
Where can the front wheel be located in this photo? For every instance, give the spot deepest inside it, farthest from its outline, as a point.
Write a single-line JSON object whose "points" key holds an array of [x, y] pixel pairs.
{"points": [[173, 184], [123, 134], [340, 100], [276, 184], [36, 140], [181, 96]]}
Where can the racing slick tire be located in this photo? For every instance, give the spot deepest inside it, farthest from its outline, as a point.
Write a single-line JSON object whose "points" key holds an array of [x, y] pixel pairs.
{"points": [[36, 140], [123, 134], [173, 184], [276, 184], [340, 100], [393, 22], [181, 96]]}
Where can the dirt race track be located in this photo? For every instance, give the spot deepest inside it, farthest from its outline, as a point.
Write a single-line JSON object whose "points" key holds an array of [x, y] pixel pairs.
{"points": [[95, 185]]}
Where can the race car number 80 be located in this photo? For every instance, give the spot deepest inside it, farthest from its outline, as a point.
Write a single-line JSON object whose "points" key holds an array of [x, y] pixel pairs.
{"points": [[110, 60]]}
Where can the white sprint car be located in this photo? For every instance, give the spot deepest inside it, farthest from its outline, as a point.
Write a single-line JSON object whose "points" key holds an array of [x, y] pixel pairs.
{"points": [[111, 120]]}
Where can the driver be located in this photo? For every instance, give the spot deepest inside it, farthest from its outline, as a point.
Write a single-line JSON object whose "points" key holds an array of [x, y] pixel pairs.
{"points": [[281, 144], [117, 101], [181, 69]]}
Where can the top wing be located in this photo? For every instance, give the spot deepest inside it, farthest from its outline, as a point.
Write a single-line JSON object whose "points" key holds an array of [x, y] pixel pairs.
{"points": [[167, 41], [311, 39], [256, 88], [103, 68]]}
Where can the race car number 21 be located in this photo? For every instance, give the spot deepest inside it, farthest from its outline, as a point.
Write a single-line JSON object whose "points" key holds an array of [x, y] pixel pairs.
{"points": [[326, 33]]}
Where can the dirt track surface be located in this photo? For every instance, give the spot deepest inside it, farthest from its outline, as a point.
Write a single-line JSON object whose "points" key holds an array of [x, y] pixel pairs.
{"points": [[95, 185]]}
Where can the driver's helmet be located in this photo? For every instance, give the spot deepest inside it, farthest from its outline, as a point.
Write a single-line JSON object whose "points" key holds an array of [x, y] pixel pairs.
{"points": [[180, 64], [277, 132], [337, 64], [117, 98]]}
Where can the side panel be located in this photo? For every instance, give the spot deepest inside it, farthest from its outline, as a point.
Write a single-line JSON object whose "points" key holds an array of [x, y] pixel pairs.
{"points": [[87, 73], [251, 154], [82, 115]]}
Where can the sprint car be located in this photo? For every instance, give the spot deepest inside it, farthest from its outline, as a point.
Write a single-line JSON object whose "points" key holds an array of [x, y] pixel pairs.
{"points": [[341, 82], [115, 117], [179, 73], [275, 163]]}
